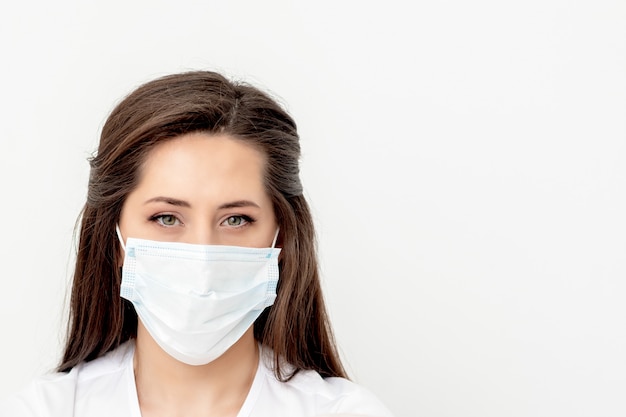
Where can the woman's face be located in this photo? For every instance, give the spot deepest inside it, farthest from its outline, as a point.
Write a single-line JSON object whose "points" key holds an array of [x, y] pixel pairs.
{"points": [[204, 189]]}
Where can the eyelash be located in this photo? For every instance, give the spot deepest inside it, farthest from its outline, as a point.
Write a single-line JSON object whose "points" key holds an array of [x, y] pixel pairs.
{"points": [[247, 219], [157, 218]]}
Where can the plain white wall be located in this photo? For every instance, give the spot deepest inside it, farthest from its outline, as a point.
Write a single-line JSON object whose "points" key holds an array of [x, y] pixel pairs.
{"points": [[465, 162]]}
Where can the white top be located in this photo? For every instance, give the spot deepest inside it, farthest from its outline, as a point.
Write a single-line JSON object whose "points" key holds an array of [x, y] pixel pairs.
{"points": [[106, 387]]}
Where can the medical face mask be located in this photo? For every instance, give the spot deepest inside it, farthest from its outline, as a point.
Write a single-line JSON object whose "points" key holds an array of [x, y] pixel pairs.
{"points": [[196, 301]]}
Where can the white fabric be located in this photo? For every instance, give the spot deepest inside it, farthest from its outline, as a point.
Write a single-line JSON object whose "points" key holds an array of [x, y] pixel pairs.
{"points": [[196, 301], [105, 387]]}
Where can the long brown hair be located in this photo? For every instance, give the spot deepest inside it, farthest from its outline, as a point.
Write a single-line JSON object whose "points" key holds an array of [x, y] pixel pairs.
{"points": [[296, 327]]}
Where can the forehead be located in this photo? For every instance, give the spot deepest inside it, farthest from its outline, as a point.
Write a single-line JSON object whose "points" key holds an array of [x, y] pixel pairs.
{"points": [[199, 165]]}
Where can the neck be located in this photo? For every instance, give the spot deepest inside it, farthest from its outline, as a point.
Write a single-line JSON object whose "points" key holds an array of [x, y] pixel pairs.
{"points": [[168, 387]]}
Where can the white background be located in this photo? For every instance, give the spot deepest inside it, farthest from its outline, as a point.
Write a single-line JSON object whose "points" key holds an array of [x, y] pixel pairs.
{"points": [[465, 161]]}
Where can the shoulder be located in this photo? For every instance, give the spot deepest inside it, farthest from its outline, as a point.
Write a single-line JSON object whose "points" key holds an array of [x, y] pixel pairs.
{"points": [[337, 395], [44, 396], [309, 394], [59, 394]]}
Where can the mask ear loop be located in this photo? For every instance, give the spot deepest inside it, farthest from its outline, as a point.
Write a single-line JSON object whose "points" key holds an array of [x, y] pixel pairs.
{"points": [[275, 237], [119, 236]]}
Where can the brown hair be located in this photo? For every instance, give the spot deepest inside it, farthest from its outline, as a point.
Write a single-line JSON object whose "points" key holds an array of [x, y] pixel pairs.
{"points": [[296, 327]]}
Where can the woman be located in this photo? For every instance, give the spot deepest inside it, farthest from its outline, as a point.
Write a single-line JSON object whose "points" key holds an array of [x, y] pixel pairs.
{"points": [[196, 289]]}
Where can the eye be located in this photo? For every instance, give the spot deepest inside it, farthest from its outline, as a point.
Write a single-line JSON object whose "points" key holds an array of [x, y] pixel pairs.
{"points": [[167, 220], [237, 221]]}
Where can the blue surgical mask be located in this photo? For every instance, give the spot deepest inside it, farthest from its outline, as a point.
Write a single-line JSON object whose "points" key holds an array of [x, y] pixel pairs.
{"points": [[196, 301]]}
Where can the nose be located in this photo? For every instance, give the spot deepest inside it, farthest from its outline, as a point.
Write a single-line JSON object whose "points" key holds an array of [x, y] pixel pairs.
{"points": [[201, 234]]}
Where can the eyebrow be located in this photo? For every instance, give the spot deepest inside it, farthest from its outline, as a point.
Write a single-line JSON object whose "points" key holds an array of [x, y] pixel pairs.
{"points": [[239, 203], [183, 203], [168, 200]]}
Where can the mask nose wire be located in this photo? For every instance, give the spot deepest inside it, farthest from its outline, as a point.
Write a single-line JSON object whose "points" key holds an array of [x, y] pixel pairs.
{"points": [[119, 236], [275, 237]]}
